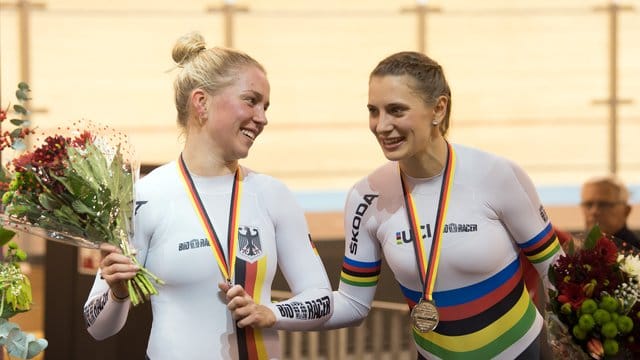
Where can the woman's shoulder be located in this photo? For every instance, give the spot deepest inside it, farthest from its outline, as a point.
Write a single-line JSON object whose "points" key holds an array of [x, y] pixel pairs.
{"points": [[480, 161], [262, 182], [475, 154], [382, 180], [158, 178]]}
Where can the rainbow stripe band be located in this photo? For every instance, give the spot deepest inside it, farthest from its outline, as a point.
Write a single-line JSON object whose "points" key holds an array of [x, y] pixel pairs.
{"points": [[481, 320], [359, 273], [542, 246]]}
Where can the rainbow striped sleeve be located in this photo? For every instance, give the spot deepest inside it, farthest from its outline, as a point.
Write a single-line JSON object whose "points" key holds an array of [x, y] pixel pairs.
{"points": [[360, 273], [542, 247]]}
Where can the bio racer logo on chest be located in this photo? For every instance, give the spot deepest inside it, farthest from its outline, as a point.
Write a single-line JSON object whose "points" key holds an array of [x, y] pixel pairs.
{"points": [[357, 221]]}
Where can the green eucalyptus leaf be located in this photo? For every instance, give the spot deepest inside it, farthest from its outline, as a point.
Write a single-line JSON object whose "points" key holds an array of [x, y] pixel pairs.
{"points": [[23, 95], [17, 343], [16, 133], [17, 122], [5, 328], [35, 347], [20, 109]]}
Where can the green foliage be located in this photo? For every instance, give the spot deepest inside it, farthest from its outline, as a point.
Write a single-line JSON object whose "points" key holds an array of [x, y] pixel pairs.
{"points": [[15, 287], [592, 238], [14, 138], [18, 343], [5, 236]]}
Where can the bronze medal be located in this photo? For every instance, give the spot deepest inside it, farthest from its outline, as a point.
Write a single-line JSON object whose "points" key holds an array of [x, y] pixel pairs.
{"points": [[424, 316]]}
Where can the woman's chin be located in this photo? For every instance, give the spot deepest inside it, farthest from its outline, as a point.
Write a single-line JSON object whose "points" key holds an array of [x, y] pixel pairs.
{"points": [[392, 155]]}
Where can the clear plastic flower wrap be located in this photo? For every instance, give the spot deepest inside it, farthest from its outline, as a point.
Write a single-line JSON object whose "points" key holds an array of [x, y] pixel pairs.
{"points": [[77, 188], [561, 343]]}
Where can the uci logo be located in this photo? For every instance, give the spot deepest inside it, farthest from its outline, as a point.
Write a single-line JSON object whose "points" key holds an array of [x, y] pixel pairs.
{"points": [[406, 236]]}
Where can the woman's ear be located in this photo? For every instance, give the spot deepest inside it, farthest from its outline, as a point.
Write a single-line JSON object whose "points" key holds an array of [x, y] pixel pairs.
{"points": [[440, 109], [199, 103]]}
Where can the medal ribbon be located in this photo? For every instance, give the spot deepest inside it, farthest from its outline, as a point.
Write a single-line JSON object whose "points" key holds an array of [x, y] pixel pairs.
{"points": [[226, 266], [429, 267]]}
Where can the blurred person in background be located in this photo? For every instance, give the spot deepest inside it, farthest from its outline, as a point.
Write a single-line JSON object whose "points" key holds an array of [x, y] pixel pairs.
{"points": [[605, 202]]}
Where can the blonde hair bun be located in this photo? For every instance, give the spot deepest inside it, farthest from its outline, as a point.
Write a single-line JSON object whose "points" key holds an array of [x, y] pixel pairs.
{"points": [[187, 47]]}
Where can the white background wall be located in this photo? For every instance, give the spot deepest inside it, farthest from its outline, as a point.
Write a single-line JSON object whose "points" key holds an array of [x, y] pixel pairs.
{"points": [[524, 75]]}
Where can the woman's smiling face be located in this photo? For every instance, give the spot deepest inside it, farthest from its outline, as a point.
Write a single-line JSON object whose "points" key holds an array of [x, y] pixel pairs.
{"points": [[399, 118], [237, 113]]}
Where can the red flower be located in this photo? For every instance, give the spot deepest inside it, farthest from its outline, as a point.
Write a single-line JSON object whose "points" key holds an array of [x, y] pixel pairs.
{"points": [[571, 293], [607, 250], [23, 162], [81, 140]]}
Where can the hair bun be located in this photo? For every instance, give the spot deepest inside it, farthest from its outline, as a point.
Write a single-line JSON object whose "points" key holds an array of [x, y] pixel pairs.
{"points": [[187, 47]]}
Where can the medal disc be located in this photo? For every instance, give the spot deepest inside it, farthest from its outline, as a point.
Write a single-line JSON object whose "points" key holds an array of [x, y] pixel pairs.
{"points": [[424, 316]]}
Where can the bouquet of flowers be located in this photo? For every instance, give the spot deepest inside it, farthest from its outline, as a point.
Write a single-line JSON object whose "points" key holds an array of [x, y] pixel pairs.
{"points": [[594, 310], [15, 287], [78, 189]]}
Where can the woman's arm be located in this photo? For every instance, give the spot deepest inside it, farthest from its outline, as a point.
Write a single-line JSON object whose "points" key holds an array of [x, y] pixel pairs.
{"points": [[519, 207], [312, 300], [107, 306], [361, 262]]}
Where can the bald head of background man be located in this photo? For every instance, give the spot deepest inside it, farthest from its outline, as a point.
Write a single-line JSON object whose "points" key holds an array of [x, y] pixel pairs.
{"points": [[605, 201]]}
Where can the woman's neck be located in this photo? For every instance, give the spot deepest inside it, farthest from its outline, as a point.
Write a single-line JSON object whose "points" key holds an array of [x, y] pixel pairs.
{"points": [[429, 163], [202, 162]]}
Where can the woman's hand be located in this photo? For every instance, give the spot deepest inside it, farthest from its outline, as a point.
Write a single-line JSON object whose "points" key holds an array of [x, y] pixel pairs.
{"points": [[244, 310], [115, 269]]}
